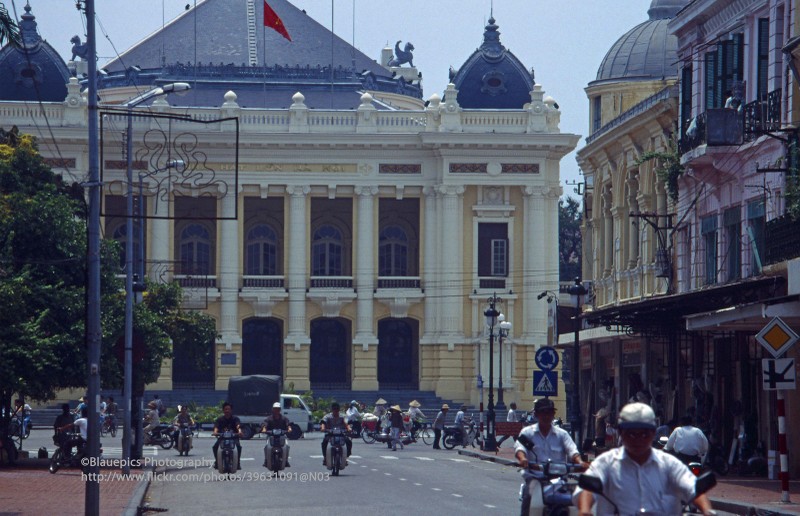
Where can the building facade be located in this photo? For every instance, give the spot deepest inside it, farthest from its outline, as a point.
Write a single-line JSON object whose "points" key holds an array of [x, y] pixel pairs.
{"points": [[352, 247]]}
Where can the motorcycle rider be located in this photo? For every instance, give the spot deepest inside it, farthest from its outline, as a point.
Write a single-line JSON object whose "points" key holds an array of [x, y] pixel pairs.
{"points": [[181, 418], [275, 421], [354, 417], [79, 440], [638, 478], [380, 411], [688, 442], [227, 421], [152, 420], [63, 423], [551, 443], [333, 420]]}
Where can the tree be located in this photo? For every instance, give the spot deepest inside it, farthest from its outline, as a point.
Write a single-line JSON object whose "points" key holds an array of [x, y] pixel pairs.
{"points": [[43, 288], [569, 239], [8, 28]]}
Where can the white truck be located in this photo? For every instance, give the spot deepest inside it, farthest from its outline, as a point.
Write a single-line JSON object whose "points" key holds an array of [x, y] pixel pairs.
{"points": [[252, 398]]}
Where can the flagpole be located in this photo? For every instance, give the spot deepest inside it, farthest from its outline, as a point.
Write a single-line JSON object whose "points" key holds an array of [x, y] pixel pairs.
{"points": [[332, 41], [264, 42]]}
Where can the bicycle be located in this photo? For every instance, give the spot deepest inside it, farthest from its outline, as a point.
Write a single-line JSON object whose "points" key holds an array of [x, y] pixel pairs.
{"points": [[424, 432], [108, 426]]}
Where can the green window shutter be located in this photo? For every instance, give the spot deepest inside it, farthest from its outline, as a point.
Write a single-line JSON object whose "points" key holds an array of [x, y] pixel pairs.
{"points": [[763, 59], [711, 78]]}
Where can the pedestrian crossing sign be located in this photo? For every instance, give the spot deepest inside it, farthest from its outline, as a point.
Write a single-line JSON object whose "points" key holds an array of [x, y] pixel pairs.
{"points": [[545, 383]]}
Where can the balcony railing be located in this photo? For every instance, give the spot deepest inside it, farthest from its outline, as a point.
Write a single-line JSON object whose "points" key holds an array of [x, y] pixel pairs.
{"points": [[399, 282], [331, 282], [762, 116], [262, 282], [782, 240], [196, 281], [495, 283]]}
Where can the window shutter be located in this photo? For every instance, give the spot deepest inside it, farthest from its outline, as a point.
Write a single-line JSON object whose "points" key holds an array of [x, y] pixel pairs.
{"points": [[711, 77], [686, 97], [763, 59]]}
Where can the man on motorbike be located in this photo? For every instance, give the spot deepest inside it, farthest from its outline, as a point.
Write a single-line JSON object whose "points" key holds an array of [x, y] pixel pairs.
{"points": [[638, 478], [181, 418], [227, 422], [79, 440], [63, 423], [688, 442], [550, 443], [275, 421], [334, 420], [152, 421]]}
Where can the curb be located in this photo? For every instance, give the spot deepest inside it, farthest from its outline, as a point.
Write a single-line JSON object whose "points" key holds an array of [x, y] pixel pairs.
{"points": [[490, 458], [137, 498]]}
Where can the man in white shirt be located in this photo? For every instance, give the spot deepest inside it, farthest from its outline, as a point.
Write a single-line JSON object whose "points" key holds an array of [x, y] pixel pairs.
{"points": [[550, 443], [459, 424], [637, 478], [510, 418], [688, 442]]}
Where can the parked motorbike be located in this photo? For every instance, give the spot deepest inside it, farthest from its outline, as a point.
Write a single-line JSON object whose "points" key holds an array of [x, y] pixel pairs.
{"points": [[185, 436], [452, 437], [703, 484], [64, 457], [276, 452], [227, 454], [336, 458], [161, 435]]}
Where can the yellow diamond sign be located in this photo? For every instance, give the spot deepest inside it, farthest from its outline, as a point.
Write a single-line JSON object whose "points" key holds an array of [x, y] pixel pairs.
{"points": [[777, 337]]}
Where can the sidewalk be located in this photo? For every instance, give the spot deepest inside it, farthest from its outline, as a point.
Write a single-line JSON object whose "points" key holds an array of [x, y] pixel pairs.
{"points": [[732, 494], [30, 488]]}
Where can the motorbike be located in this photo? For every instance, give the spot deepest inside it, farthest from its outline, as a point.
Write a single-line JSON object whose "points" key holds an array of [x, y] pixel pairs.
{"points": [[550, 485], [336, 458], [185, 436], [227, 454], [703, 484], [161, 435], [451, 437], [64, 457], [276, 453]]}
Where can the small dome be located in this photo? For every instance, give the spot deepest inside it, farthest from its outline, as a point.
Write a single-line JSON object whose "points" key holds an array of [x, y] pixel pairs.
{"points": [[646, 52], [493, 77], [34, 72]]}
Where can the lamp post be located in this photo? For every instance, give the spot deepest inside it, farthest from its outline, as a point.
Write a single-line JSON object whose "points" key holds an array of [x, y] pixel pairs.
{"points": [[491, 314], [502, 332], [577, 290], [129, 291], [552, 297]]}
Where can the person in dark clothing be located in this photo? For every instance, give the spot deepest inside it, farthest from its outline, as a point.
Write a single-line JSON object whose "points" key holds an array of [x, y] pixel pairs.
{"points": [[63, 420], [334, 420], [227, 422]]}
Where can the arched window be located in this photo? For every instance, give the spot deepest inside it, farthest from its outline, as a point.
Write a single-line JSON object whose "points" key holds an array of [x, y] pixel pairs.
{"points": [[392, 252], [326, 252], [195, 250], [261, 251], [120, 235]]}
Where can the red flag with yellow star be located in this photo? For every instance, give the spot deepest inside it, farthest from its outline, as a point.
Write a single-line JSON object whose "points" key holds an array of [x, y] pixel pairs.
{"points": [[273, 21]]}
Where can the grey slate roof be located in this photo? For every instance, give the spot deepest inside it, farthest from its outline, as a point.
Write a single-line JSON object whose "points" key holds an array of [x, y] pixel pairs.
{"points": [[34, 72], [647, 51]]}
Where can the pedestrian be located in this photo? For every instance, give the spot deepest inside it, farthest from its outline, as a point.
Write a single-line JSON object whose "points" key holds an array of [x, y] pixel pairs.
{"points": [[380, 411], [23, 410], [396, 420], [76, 413], [160, 406], [459, 424], [438, 426], [511, 417], [600, 427]]}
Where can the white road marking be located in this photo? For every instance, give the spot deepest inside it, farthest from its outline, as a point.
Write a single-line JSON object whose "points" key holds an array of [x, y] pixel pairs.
{"points": [[417, 484], [373, 469], [489, 506], [457, 495], [424, 458], [356, 457], [389, 457], [402, 480], [459, 460], [245, 458], [435, 489], [315, 456], [388, 474]]}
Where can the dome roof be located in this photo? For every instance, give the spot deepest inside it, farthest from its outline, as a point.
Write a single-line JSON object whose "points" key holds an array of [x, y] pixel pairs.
{"points": [[493, 77], [647, 51], [35, 71]]}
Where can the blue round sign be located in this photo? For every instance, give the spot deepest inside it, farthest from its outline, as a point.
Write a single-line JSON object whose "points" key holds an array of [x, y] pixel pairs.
{"points": [[546, 358]]}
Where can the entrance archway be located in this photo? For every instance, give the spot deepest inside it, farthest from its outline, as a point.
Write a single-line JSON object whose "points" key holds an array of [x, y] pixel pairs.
{"points": [[330, 353], [398, 354], [262, 346]]}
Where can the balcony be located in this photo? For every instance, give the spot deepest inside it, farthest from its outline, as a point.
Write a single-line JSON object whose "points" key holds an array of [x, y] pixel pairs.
{"points": [[492, 283], [258, 282], [331, 293], [782, 240], [398, 282], [332, 282], [191, 281], [762, 116], [399, 293]]}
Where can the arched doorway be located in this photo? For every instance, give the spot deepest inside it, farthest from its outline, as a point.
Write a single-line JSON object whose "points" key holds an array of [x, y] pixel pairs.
{"points": [[262, 346], [398, 354], [193, 368], [330, 353]]}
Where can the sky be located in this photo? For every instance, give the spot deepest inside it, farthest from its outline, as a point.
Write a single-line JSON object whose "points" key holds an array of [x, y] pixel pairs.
{"points": [[564, 41]]}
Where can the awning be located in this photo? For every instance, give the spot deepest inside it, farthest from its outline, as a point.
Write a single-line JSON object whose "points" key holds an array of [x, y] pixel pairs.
{"points": [[751, 317]]}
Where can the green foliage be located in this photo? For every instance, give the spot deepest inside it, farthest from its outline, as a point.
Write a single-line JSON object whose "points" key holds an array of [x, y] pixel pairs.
{"points": [[668, 167], [204, 413], [569, 239], [8, 28], [792, 194]]}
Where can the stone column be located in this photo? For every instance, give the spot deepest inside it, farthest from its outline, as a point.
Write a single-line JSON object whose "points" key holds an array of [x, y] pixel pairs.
{"points": [[228, 271], [635, 222], [452, 277], [534, 323], [365, 358], [608, 233], [430, 266], [297, 358], [160, 241]]}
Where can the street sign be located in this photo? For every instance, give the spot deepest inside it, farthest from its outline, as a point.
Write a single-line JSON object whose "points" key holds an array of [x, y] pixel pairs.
{"points": [[545, 383], [546, 358], [777, 337], [778, 373]]}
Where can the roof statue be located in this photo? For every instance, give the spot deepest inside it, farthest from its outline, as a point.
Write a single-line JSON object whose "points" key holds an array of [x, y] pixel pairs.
{"points": [[79, 49], [403, 56]]}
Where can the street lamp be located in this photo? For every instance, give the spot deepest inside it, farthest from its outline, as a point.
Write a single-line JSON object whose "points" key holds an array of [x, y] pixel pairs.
{"points": [[491, 315], [577, 290], [129, 291], [552, 297], [505, 329]]}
